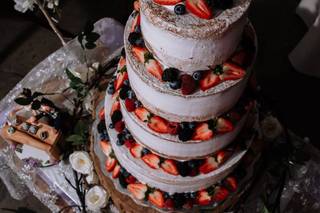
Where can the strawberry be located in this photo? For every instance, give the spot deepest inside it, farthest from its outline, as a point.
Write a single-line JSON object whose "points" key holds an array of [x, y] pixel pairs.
{"points": [[138, 190], [231, 183], [143, 114], [122, 75], [110, 164], [173, 128], [136, 5], [130, 179], [199, 8], [202, 132], [102, 114], [232, 72], [130, 105], [222, 156], [122, 63], [115, 107], [220, 194], [188, 84], [169, 203], [119, 126], [156, 198], [209, 80], [203, 198], [188, 204], [154, 68], [170, 167], [223, 126], [136, 22], [116, 171], [209, 165], [106, 147], [152, 161], [136, 150], [129, 143], [159, 124], [139, 53], [167, 2]]}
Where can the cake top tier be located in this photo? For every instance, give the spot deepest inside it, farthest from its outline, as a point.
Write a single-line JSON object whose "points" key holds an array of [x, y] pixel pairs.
{"points": [[189, 25]]}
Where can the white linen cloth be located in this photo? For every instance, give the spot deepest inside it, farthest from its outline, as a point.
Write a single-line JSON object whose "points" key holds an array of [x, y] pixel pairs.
{"points": [[305, 57]]}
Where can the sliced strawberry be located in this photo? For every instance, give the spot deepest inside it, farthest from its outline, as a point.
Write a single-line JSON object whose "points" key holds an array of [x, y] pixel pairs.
{"points": [[139, 53], [199, 8], [202, 132], [115, 107], [173, 128], [130, 179], [156, 198], [209, 165], [203, 198], [224, 126], [169, 203], [159, 125], [129, 143], [167, 2], [154, 68], [119, 126], [232, 72], [209, 80], [170, 167], [130, 105], [138, 190], [152, 161], [136, 22], [106, 147], [143, 114], [136, 5], [102, 114], [220, 194], [188, 84], [122, 63], [188, 204], [222, 156], [136, 150], [231, 183], [110, 163], [116, 171], [122, 75]]}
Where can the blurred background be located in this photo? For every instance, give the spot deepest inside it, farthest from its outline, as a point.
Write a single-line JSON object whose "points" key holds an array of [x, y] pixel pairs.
{"points": [[26, 39]]}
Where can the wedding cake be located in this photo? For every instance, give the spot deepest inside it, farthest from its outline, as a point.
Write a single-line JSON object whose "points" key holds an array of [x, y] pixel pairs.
{"points": [[179, 117]]}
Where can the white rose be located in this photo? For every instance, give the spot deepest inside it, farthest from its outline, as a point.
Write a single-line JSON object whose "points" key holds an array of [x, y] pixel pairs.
{"points": [[92, 178], [81, 162], [96, 198], [23, 5], [271, 127]]}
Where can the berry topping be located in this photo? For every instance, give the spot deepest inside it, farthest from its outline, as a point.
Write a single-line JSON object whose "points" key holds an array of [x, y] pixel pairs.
{"points": [[138, 190], [152, 160], [232, 72], [188, 84], [136, 5], [122, 75], [136, 22], [203, 198], [161, 125], [119, 126], [130, 179], [102, 114], [170, 75], [110, 88], [129, 143], [145, 151], [223, 126], [123, 94], [222, 156], [202, 132], [167, 2], [116, 171], [136, 39], [220, 194], [208, 80], [180, 9], [110, 164], [101, 127], [185, 134], [116, 116], [170, 167], [115, 107], [197, 75], [199, 8], [175, 84], [106, 147], [154, 68], [122, 181], [156, 198], [121, 139], [143, 114], [139, 53], [231, 183], [130, 105], [136, 151], [209, 165], [183, 168], [169, 203]]}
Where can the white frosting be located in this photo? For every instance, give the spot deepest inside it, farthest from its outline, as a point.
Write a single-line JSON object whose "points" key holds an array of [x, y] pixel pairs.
{"points": [[188, 54], [196, 108], [168, 146]]}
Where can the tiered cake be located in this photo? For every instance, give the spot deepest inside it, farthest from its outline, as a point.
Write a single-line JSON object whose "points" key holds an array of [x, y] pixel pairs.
{"points": [[178, 119]]}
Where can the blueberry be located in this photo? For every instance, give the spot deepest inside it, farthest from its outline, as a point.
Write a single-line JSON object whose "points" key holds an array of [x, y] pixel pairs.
{"points": [[126, 82], [124, 172], [137, 104], [123, 52], [120, 140], [111, 126], [166, 195], [197, 75], [183, 168], [104, 136], [180, 9], [110, 88], [145, 151], [122, 181], [123, 94], [179, 200], [170, 75], [136, 39], [185, 134], [131, 94], [193, 195], [175, 85], [137, 29], [101, 127], [192, 125], [116, 116]]}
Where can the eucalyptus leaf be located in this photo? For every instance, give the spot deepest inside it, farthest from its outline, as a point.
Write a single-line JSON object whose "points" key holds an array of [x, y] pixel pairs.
{"points": [[81, 127], [23, 101], [74, 138], [36, 104], [76, 143], [90, 45], [73, 78], [92, 37]]}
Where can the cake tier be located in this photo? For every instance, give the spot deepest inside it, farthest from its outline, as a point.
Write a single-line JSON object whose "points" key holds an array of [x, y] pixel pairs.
{"points": [[203, 104], [159, 179], [189, 43]]}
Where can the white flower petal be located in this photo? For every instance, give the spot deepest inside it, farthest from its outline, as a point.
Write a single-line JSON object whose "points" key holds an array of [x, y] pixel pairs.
{"points": [[96, 198], [81, 162]]}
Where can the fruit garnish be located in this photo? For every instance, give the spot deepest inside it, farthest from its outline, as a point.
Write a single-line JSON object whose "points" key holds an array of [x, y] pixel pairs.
{"points": [[138, 190], [170, 167], [209, 165], [152, 161], [202, 132], [199, 8], [136, 151], [156, 198]]}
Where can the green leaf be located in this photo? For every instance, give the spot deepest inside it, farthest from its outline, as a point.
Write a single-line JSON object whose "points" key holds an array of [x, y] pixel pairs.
{"points": [[76, 143], [73, 78], [37, 94], [81, 127], [74, 138], [92, 37], [36, 104], [26, 92], [23, 101], [90, 45]]}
